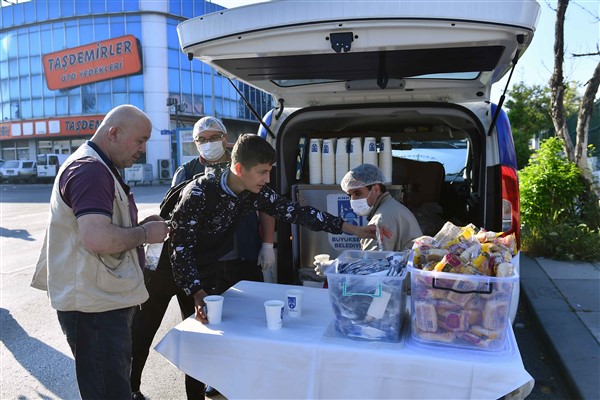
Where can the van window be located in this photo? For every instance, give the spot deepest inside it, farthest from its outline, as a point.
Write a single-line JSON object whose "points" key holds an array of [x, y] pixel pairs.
{"points": [[11, 164], [28, 164], [451, 153]]}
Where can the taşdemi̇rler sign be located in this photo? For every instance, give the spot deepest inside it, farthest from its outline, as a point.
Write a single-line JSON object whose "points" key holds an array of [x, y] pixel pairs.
{"points": [[93, 62]]}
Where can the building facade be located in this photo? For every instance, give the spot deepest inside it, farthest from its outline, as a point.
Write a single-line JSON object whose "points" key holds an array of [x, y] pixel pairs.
{"points": [[65, 63]]}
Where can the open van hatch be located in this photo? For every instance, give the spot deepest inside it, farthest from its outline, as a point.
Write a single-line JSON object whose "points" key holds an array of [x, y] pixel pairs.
{"points": [[322, 53]]}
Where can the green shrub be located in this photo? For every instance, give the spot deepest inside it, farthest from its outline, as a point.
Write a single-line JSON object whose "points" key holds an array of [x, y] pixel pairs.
{"points": [[550, 186], [560, 216], [562, 242]]}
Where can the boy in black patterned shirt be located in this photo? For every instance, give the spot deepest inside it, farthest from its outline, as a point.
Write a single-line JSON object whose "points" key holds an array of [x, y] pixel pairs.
{"points": [[204, 220]]}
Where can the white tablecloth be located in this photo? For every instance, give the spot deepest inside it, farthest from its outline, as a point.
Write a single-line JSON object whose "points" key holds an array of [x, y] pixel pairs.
{"points": [[243, 359]]}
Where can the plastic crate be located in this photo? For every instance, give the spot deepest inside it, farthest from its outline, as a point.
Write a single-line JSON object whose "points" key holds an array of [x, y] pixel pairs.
{"points": [[459, 310], [369, 307]]}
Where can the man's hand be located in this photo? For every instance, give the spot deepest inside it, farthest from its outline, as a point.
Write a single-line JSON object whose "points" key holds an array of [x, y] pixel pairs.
{"points": [[157, 231], [150, 218], [199, 306], [266, 257], [366, 232]]}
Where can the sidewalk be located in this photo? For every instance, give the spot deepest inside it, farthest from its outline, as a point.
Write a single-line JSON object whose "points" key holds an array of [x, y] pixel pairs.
{"points": [[564, 299]]}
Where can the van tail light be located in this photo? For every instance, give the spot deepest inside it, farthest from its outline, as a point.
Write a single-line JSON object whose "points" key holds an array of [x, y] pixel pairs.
{"points": [[511, 213]]}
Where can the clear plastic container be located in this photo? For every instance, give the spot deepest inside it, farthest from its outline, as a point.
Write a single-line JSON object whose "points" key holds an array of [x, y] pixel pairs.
{"points": [[368, 307], [459, 310]]}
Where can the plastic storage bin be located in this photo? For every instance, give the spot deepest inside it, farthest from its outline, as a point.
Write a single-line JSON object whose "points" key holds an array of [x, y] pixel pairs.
{"points": [[367, 307], [458, 310]]}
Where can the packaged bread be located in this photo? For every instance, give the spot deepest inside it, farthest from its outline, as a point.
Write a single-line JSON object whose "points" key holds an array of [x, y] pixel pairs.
{"points": [[458, 287]]}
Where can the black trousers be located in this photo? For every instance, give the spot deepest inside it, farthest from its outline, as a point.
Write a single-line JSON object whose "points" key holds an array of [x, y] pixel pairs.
{"points": [[161, 287], [146, 321]]}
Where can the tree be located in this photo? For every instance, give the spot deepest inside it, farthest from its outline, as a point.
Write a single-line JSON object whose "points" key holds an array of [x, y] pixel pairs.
{"points": [[529, 113], [576, 153]]}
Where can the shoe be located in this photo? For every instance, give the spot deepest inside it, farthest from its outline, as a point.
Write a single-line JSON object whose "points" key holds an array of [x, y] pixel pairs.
{"points": [[137, 396], [210, 391]]}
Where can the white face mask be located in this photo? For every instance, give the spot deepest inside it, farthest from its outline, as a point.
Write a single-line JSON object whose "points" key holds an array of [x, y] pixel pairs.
{"points": [[361, 206], [212, 151]]}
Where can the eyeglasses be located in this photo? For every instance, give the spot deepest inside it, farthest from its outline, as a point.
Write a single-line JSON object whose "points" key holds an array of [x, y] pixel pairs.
{"points": [[211, 139]]}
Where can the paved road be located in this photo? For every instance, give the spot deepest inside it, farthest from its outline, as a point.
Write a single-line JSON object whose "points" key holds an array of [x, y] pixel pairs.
{"points": [[35, 359]]}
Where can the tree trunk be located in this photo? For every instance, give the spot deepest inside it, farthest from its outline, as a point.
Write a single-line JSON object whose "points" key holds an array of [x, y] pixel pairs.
{"points": [[557, 82], [583, 118], [583, 124]]}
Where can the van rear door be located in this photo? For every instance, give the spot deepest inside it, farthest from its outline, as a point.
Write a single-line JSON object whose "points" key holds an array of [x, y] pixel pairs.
{"points": [[346, 51]]}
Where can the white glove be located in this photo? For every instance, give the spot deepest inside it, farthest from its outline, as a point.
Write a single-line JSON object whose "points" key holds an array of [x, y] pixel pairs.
{"points": [[321, 266], [266, 256]]}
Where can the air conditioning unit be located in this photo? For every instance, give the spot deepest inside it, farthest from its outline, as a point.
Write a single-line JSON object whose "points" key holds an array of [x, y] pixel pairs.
{"points": [[164, 170]]}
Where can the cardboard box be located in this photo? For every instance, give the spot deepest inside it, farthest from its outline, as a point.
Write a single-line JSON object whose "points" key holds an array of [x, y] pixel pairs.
{"points": [[369, 307]]}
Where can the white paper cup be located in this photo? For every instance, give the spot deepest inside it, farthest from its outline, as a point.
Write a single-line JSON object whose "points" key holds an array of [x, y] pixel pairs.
{"points": [[294, 302], [322, 258], [274, 311], [214, 308]]}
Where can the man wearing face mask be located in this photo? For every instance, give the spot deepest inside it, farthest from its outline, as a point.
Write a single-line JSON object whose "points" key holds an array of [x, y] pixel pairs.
{"points": [[369, 198], [244, 262], [210, 136]]}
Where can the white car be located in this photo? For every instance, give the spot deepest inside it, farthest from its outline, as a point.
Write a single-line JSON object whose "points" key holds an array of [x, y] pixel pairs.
{"points": [[419, 72], [19, 171]]}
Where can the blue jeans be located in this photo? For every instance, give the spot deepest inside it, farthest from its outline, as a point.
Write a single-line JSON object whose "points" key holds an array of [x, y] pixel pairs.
{"points": [[101, 345]]}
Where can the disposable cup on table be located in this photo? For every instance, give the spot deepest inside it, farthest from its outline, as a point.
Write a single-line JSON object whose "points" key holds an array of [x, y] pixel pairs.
{"points": [[274, 313], [214, 308], [294, 302]]}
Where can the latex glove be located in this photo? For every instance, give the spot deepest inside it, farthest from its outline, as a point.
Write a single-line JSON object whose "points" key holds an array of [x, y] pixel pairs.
{"points": [[321, 266], [266, 256], [269, 276]]}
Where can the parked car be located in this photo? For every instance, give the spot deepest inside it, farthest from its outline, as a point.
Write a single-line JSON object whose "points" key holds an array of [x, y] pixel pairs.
{"points": [[19, 171], [419, 72]]}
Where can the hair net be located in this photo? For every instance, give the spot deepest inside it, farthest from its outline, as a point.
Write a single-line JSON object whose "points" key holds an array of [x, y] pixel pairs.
{"points": [[361, 176], [208, 124]]}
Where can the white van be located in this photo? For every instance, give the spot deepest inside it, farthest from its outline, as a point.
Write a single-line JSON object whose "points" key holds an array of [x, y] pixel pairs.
{"points": [[48, 165], [417, 72]]}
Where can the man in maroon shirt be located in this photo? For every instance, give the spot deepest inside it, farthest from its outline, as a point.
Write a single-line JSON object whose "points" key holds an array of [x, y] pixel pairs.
{"points": [[93, 253]]}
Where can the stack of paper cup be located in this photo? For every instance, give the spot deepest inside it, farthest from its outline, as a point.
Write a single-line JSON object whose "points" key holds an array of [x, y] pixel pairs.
{"points": [[328, 162], [385, 158], [314, 161], [370, 151], [341, 159], [355, 152]]}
